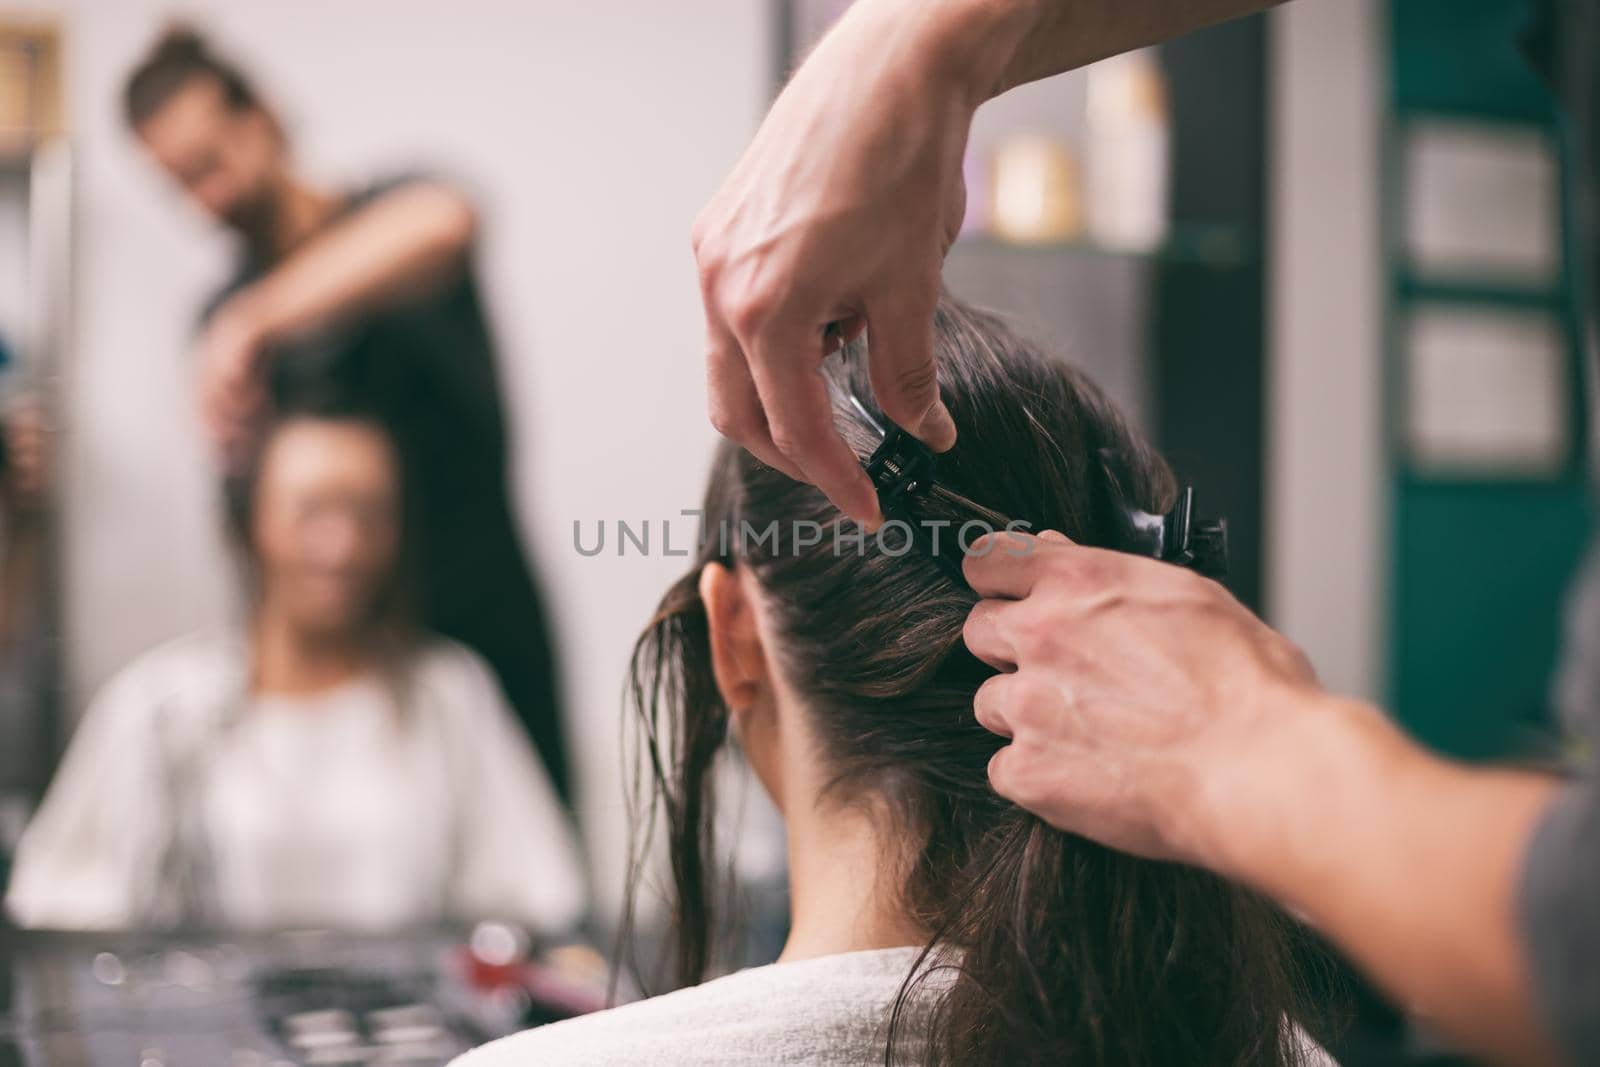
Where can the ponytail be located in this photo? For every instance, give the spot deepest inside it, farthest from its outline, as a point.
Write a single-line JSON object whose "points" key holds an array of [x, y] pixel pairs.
{"points": [[1061, 951]]}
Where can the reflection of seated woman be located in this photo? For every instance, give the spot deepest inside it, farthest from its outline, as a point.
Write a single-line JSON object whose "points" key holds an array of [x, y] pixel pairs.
{"points": [[846, 682], [326, 766]]}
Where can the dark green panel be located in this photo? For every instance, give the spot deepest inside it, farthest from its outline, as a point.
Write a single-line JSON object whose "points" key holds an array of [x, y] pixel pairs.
{"points": [[1480, 573], [1479, 567], [1462, 56]]}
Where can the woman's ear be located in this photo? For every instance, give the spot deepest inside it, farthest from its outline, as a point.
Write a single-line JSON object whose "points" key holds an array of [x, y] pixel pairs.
{"points": [[737, 659]]}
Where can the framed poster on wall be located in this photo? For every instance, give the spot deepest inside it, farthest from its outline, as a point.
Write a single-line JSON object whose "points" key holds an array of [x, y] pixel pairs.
{"points": [[1486, 392]]}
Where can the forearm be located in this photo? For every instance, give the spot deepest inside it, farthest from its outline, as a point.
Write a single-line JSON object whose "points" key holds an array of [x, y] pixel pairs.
{"points": [[995, 45], [404, 246], [1407, 862]]}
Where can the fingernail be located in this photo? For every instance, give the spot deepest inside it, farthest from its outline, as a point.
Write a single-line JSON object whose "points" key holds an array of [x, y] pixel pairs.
{"points": [[938, 428], [1055, 535]]}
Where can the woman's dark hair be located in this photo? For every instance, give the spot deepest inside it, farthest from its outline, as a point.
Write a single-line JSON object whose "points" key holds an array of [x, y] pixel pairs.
{"points": [[179, 55], [391, 621], [1060, 950]]}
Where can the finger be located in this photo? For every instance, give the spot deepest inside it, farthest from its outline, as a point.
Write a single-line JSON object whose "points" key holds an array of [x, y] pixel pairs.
{"points": [[904, 379], [785, 363], [735, 406], [1002, 772], [1004, 563], [991, 701], [986, 637]]}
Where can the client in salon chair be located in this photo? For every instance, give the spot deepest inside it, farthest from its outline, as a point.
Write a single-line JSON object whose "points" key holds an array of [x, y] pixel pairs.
{"points": [[928, 914], [324, 764]]}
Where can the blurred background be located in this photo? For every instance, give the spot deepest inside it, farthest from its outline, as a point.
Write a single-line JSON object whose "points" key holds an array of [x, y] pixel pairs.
{"points": [[1319, 254]]}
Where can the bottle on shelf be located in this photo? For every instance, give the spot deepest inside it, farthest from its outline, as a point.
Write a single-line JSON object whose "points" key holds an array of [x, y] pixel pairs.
{"points": [[1127, 156]]}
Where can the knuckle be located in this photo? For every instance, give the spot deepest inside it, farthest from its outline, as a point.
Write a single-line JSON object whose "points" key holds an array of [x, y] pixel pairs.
{"points": [[797, 431], [787, 439], [749, 313], [972, 632], [1035, 642], [911, 391], [705, 237], [1001, 765], [1089, 572], [980, 620], [728, 422], [1060, 574], [1034, 706], [988, 699], [917, 380]]}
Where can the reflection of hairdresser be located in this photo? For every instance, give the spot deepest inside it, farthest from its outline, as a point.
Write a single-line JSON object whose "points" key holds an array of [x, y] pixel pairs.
{"points": [[375, 287], [327, 764]]}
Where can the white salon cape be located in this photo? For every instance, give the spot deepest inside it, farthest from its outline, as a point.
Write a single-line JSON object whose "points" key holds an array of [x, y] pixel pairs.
{"points": [[186, 800]]}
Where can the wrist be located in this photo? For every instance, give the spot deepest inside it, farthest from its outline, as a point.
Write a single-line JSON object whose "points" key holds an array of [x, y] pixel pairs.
{"points": [[1271, 820], [967, 47]]}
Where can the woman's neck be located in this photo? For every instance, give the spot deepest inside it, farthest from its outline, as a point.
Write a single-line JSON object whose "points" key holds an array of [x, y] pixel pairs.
{"points": [[288, 660], [844, 886]]}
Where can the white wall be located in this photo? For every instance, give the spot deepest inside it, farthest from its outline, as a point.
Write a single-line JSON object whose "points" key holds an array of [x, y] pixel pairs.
{"points": [[1327, 508], [591, 131]]}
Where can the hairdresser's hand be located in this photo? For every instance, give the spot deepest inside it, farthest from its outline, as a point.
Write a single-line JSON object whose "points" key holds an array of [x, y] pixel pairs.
{"points": [[1143, 702], [232, 394], [842, 209]]}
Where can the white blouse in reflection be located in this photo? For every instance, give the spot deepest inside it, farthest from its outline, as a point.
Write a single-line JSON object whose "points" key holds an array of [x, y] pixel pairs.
{"points": [[184, 799]]}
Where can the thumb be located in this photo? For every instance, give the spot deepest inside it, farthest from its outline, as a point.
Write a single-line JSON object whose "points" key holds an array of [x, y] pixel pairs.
{"points": [[904, 381]]}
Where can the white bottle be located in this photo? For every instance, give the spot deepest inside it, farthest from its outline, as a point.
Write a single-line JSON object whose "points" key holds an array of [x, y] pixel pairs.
{"points": [[1127, 157]]}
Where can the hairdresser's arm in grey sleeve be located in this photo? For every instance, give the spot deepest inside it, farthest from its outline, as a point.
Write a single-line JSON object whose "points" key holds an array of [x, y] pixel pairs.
{"points": [[1559, 901], [1147, 709], [1560, 911]]}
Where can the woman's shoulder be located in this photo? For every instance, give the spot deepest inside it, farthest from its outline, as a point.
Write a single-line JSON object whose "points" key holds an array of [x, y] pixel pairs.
{"points": [[440, 659], [189, 675], [824, 1012], [453, 690]]}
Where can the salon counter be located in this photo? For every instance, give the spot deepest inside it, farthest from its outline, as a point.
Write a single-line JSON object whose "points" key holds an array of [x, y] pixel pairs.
{"points": [[272, 1000]]}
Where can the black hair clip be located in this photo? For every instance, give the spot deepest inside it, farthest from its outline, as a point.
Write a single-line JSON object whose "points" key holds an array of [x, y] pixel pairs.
{"points": [[899, 467], [903, 470], [1176, 537]]}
